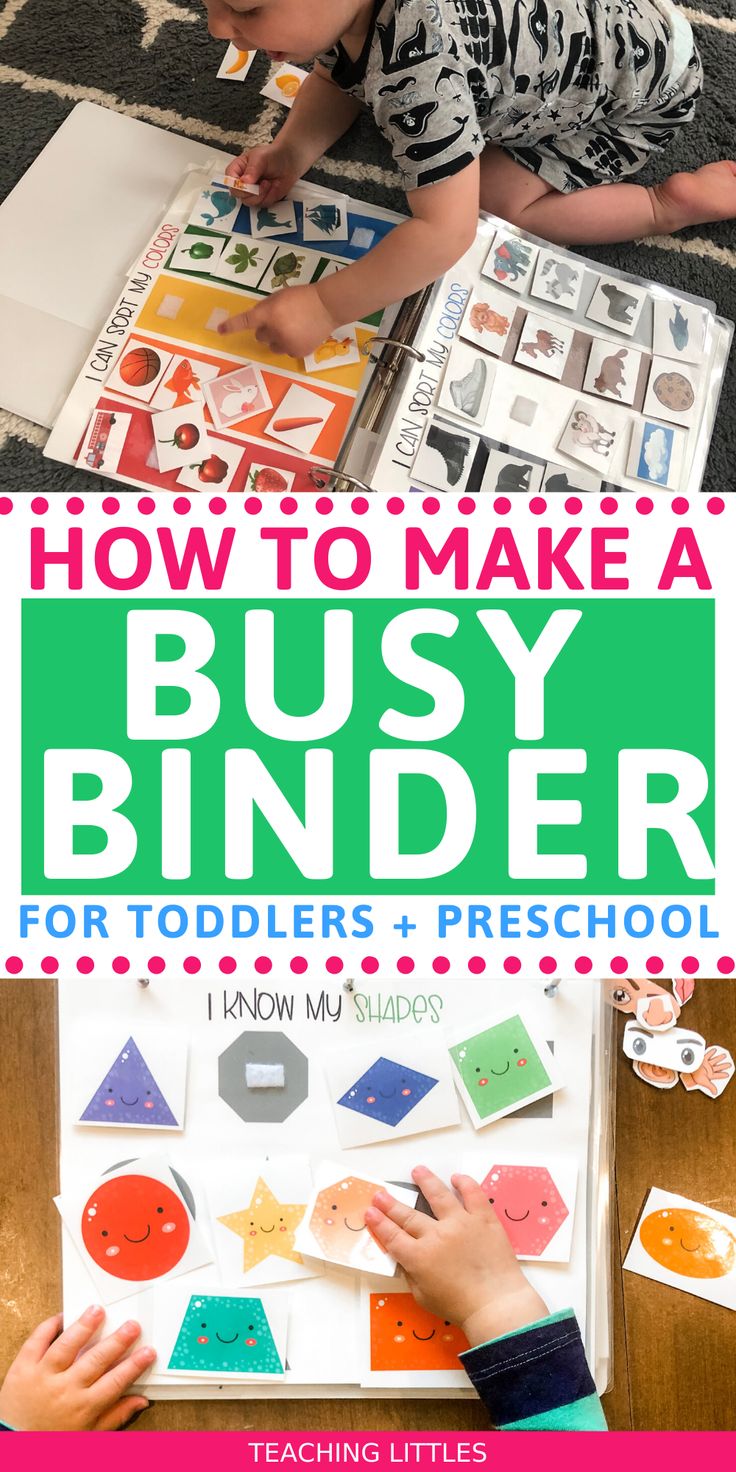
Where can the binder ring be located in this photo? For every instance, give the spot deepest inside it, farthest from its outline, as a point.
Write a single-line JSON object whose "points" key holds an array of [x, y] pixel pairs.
{"points": [[392, 342], [321, 475]]}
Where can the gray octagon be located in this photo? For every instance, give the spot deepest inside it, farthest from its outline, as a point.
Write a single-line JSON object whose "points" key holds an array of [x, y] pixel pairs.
{"points": [[263, 1105]]}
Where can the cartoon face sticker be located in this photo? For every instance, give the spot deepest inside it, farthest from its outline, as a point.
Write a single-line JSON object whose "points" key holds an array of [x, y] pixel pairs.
{"points": [[527, 1204], [387, 1091], [135, 1227], [654, 1006], [656, 1075], [337, 1219], [688, 1242], [407, 1337], [677, 1048], [225, 1336], [267, 1227], [500, 1067], [129, 1094]]}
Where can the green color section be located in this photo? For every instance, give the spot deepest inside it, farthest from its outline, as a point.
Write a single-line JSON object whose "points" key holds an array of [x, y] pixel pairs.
{"points": [[636, 673], [226, 1336], [500, 1066]]}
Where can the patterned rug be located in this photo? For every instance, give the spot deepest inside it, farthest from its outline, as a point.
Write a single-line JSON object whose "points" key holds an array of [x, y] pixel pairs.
{"points": [[155, 60]]}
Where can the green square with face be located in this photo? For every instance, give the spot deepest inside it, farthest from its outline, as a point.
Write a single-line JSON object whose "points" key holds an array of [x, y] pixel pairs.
{"points": [[500, 1067]]}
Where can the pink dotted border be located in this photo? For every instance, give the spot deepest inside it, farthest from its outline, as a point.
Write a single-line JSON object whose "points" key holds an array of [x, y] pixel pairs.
{"points": [[370, 965], [361, 505]]}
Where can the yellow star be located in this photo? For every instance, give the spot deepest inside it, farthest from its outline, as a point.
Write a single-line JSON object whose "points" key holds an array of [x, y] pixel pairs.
{"points": [[267, 1227]]}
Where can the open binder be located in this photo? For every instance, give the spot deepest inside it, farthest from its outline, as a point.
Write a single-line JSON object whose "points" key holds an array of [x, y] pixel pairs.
{"points": [[326, 1348]]}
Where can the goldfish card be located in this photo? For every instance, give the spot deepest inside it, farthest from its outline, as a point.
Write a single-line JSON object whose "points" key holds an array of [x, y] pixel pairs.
{"points": [[406, 1346], [534, 1201], [133, 1226], [131, 1081], [502, 1065], [381, 1093], [218, 1334], [685, 1245], [333, 1227]]}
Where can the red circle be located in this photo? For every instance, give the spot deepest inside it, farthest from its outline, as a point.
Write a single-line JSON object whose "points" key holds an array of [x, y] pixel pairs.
{"points": [[228, 965], [324, 505], [440, 965], [49, 965], [466, 505], [13, 965], [6, 505], [521, 1062], [120, 965], [655, 964], [680, 505], [146, 505], [502, 505], [262, 965], [394, 505], [583, 965], [85, 965], [512, 965], [39, 505], [573, 505], [644, 505], [110, 505], [619, 965], [689, 965], [192, 965], [725, 965], [298, 965], [715, 505], [547, 965], [476, 965], [182, 505], [537, 505], [431, 505], [359, 505], [333, 964], [144, 1219], [253, 505], [609, 505], [75, 505], [251, 1342], [217, 505], [482, 1083], [369, 965], [156, 965], [288, 505], [405, 965]]}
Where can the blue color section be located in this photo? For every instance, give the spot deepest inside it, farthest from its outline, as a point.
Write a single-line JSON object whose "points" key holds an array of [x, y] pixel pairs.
{"points": [[340, 248], [129, 1095], [387, 1091]]}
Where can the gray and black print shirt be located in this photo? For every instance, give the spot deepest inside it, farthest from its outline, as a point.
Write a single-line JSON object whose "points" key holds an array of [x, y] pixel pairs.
{"points": [[569, 87]]}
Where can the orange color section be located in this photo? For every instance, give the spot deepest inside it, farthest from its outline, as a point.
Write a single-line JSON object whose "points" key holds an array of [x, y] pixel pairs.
{"points": [[407, 1337]]}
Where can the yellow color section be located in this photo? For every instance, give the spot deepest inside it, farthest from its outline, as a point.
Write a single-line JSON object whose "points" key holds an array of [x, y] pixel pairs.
{"points": [[200, 299]]}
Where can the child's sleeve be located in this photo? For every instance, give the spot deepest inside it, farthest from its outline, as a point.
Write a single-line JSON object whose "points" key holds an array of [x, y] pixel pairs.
{"points": [[537, 1378]]}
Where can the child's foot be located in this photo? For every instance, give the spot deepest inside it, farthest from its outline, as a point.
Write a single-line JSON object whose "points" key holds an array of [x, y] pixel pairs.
{"points": [[696, 199]]}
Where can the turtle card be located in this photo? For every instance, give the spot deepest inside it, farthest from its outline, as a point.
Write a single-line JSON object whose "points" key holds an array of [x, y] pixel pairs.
{"points": [[132, 1080], [544, 345], [237, 396], [300, 418], [272, 219], [446, 457], [255, 1210], [467, 383], [217, 470], [382, 1091], [673, 391], [236, 64], [502, 1064], [487, 320], [290, 266], [325, 218], [219, 1334], [333, 1227], [509, 470], [284, 85], [197, 254], [139, 370], [533, 1198], [183, 383], [617, 304], [180, 436], [656, 454], [340, 350], [590, 435], [215, 209], [685, 1245], [244, 260], [612, 371], [680, 330], [133, 1226], [510, 262], [406, 1346], [558, 279]]}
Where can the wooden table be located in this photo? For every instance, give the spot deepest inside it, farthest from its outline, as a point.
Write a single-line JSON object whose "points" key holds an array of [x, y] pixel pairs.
{"points": [[674, 1356]]}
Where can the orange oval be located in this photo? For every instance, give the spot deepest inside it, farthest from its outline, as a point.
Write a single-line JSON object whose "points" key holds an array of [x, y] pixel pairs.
{"points": [[688, 1242]]}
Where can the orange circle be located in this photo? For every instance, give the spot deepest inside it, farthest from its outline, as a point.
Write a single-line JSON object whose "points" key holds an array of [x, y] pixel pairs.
{"points": [[135, 1227], [688, 1242]]}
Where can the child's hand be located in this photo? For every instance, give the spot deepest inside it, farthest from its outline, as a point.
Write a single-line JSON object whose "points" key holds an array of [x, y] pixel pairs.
{"points": [[462, 1266], [293, 320], [273, 166], [48, 1388]]}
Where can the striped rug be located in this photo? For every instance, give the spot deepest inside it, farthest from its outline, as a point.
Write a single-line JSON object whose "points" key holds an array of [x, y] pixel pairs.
{"points": [[154, 60]]}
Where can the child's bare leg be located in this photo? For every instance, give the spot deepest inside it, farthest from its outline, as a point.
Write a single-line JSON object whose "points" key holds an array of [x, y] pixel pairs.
{"points": [[609, 212]]}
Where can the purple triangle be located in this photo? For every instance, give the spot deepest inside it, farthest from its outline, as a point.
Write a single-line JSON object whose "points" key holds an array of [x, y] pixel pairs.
{"points": [[129, 1094]]}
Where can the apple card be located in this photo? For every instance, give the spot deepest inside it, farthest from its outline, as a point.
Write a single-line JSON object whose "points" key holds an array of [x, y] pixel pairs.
{"points": [[612, 371], [680, 330], [300, 418], [139, 370], [284, 84], [197, 253], [558, 279], [487, 320], [544, 345], [673, 391], [180, 436], [183, 383], [617, 304], [236, 64], [333, 1226], [467, 383], [339, 351], [216, 470], [272, 219], [684, 1245], [656, 454], [237, 396], [510, 261]]}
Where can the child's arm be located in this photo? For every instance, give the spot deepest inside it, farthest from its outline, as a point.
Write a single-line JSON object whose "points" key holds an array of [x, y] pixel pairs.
{"points": [[444, 221], [321, 113], [53, 1386], [529, 1369]]}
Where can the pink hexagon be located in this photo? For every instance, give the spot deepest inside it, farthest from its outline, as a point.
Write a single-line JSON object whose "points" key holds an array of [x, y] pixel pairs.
{"points": [[527, 1204]]}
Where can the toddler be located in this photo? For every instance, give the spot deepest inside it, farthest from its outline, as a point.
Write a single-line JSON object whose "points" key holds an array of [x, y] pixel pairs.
{"points": [[535, 112]]}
